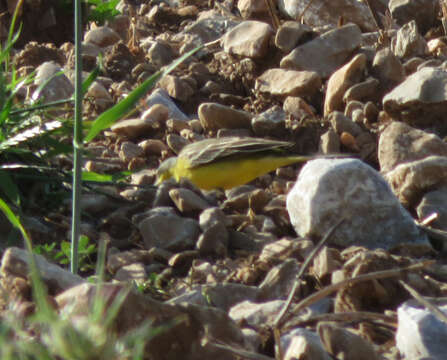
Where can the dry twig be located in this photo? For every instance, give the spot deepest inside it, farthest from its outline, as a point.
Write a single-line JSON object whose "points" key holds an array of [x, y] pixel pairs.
{"points": [[357, 316], [429, 305], [278, 321], [365, 277]]}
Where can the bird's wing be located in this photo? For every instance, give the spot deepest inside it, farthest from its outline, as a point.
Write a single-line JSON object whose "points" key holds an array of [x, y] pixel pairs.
{"points": [[209, 150]]}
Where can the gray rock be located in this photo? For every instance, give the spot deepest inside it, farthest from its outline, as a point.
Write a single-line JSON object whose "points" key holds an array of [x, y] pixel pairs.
{"points": [[409, 42], [400, 143], [159, 114], [290, 34], [101, 96], [387, 68], [55, 88], [430, 63], [303, 343], [130, 151], [254, 314], [411, 180], [176, 87], [283, 82], [321, 13], [253, 339], [271, 121], [123, 258], [421, 99], [341, 123], [187, 201], [16, 262], [367, 90], [143, 177], [181, 262], [214, 238], [424, 12], [328, 190], [298, 107], [241, 241], [279, 281], [90, 52], [209, 29], [327, 261], [102, 36], [160, 96], [176, 142], [434, 202], [254, 10], [341, 80], [97, 203], [329, 142], [371, 112], [133, 272], [325, 53], [160, 54], [249, 38], [352, 106], [411, 65], [168, 231], [420, 333], [222, 296], [133, 128], [241, 197], [204, 322], [153, 147], [214, 116], [340, 342]]}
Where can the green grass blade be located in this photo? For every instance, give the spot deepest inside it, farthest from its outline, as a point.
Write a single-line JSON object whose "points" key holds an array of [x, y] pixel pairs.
{"points": [[101, 178], [38, 287], [36, 93], [110, 116], [90, 79], [4, 55], [10, 188]]}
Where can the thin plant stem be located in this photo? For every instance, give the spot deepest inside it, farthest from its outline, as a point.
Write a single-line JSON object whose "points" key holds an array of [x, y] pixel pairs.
{"points": [[77, 142]]}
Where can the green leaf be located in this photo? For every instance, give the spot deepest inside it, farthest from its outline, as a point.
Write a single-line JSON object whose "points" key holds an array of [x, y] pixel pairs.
{"points": [[101, 178], [110, 116], [66, 248], [91, 77], [13, 219], [10, 188]]}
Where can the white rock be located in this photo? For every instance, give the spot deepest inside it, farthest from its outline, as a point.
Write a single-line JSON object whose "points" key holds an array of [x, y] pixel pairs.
{"points": [[303, 344], [328, 190], [420, 333]]}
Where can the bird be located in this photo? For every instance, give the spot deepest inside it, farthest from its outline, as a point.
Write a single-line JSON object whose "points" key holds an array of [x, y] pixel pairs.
{"points": [[227, 162]]}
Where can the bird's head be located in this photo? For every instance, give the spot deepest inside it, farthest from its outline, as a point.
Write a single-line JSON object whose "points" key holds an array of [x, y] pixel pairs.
{"points": [[166, 170]]}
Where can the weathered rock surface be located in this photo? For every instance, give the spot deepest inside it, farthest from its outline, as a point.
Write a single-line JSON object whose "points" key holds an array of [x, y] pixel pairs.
{"points": [[249, 38], [289, 82], [420, 99], [420, 332], [325, 53], [320, 13], [162, 228], [329, 190], [411, 180], [400, 143], [341, 81]]}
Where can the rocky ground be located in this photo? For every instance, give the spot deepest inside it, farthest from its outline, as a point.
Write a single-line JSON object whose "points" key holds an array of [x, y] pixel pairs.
{"points": [[362, 78]]}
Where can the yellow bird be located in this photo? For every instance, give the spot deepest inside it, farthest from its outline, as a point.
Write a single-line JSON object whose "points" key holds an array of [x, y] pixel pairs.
{"points": [[227, 162]]}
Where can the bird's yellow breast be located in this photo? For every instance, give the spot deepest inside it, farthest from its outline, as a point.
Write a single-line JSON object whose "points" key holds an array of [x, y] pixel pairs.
{"points": [[228, 173]]}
